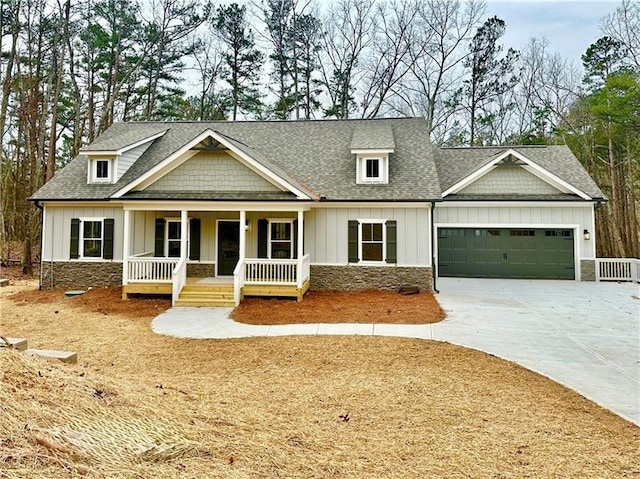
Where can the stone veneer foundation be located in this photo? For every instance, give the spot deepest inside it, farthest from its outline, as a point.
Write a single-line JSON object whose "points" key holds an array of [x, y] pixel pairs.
{"points": [[353, 278], [587, 270], [78, 274], [201, 270]]}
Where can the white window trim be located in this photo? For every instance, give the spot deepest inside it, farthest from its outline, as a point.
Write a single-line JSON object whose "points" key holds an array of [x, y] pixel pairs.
{"points": [[280, 220], [383, 170], [383, 222], [81, 255], [93, 170], [166, 235]]}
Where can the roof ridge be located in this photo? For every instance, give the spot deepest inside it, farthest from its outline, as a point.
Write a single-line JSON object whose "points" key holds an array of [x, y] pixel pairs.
{"points": [[227, 122]]}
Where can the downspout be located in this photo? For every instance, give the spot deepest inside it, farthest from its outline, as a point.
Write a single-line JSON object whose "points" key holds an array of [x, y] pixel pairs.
{"points": [[41, 208], [434, 270]]}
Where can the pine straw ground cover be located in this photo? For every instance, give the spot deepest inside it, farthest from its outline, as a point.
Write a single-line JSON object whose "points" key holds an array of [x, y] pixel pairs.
{"points": [[341, 307], [143, 405]]}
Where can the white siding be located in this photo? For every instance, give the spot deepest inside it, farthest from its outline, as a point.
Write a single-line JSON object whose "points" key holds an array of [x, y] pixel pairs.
{"points": [[326, 232], [57, 229], [524, 216], [128, 158]]}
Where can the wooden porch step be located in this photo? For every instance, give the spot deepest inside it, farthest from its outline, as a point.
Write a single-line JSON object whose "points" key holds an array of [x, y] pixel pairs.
{"points": [[205, 302], [205, 294], [209, 288], [68, 357], [19, 344]]}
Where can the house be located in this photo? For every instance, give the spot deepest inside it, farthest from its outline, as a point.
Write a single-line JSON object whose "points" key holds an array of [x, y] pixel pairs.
{"points": [[228, 209]]}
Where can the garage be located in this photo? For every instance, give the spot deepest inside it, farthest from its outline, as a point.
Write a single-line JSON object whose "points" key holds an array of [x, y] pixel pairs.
{"points": [[506, 253]]}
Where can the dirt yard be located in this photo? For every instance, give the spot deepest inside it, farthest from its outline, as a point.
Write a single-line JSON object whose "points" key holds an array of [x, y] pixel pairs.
{"points": [[342, 307], [141, 405]]}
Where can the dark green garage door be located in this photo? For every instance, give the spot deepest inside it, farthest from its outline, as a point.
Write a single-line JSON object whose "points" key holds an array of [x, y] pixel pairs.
{"points": [[506, 253]]}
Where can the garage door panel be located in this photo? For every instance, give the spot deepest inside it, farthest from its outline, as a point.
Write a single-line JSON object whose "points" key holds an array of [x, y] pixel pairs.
{"points": [[506, 253]]}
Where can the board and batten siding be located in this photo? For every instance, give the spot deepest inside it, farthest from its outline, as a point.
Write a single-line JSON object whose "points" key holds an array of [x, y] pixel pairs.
{"points": [[326, 233], [57, 229], [522, 216]]}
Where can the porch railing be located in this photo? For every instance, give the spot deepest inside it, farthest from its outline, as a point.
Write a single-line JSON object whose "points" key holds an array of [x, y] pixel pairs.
{"points": [[178, 279], [618, 269], [271, 271], [144, 269], [305, 270], [238, 281]]}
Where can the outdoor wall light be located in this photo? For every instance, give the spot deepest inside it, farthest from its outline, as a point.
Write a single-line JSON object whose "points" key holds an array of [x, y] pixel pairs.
{"points": [[247, 224], [586, 235]]}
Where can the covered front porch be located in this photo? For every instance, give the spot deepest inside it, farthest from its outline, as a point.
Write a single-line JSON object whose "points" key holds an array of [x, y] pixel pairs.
{"points": [[212, 255]]}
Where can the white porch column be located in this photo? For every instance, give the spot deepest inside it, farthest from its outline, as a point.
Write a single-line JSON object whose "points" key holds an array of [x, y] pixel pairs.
{"points": [[300, 247], [126, 239], [300, 235], [184, 230], [243, 235]]}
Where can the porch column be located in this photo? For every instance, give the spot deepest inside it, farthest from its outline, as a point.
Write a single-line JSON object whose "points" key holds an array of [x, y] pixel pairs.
{"points": [[126, 239], [300, 247], [243, 235], [184, 229]]}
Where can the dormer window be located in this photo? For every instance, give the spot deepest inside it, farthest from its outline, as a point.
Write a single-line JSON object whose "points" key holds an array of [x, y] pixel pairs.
{"points": [[101, 170], [372, 168]]}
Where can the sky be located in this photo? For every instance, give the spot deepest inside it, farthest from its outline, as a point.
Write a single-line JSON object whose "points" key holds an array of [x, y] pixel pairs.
{"points": [[570, 26]]}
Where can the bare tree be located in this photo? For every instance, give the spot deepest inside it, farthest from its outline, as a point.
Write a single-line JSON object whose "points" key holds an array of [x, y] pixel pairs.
{"points": [[389, 58], [436, 54], [624, 26], [349, 31]]}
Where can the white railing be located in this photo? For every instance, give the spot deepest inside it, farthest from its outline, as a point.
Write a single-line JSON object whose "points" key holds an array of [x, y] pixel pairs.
{"points": [[146, 254], [238, 281], [271, 271], [178, 279], [150, 270], [305, 270], [618, 269]]}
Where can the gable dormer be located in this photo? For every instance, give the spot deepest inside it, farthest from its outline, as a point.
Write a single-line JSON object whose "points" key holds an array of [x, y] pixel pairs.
{"points": [[106, 166], [372, 144]]}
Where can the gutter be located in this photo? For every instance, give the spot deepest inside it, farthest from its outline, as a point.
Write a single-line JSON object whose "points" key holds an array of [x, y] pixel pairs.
{"points": [[41, 208], [434, 269]]}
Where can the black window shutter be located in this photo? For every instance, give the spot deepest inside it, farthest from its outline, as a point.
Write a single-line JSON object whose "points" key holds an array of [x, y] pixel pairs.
{"points": [[107, 248], [159, 242], [194, 238], [294, 237], [392, 241], [353, 241], [75, 239], [262, 238]]}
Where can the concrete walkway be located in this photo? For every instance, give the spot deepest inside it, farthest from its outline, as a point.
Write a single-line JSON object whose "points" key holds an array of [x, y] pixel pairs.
{"points": [[585, 336]]}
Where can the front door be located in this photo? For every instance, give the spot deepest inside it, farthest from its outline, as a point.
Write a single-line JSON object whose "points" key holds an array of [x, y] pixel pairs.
{"points": [[228, 247]]}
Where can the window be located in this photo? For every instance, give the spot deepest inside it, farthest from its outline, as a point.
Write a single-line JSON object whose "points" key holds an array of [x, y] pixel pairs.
{"points": [[100, 170], [372, 169], [522, 233], [281, 239], [91, 240], [372, 241], [172, 238]]}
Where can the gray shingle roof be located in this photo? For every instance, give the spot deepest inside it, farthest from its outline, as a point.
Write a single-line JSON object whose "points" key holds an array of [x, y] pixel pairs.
{"points": [[373, 135], [455, 164], [120, 135], [315, 155]]}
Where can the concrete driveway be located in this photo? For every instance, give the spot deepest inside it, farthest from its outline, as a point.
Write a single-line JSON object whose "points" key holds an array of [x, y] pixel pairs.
{"points": [[583, 335]]}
